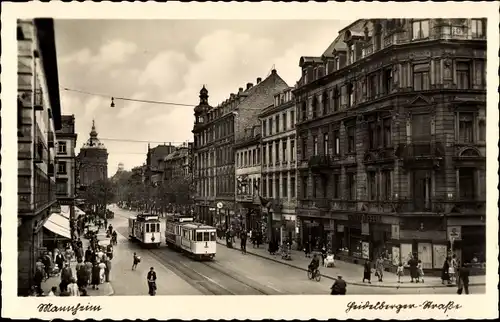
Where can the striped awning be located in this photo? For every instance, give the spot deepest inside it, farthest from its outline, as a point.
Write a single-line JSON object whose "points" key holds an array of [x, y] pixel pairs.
{"points": [[59, 225]]}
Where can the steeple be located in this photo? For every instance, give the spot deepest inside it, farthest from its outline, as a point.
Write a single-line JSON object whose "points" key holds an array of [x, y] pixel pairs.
{"points": [[93, 132], [93, 141], [203, 96]]}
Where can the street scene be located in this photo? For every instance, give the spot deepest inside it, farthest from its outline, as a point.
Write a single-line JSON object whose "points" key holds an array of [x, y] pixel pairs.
{"points": [[352, 162]]}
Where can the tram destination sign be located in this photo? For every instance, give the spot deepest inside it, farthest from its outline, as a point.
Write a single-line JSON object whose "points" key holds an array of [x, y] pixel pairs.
{"points": [[364, 218]]}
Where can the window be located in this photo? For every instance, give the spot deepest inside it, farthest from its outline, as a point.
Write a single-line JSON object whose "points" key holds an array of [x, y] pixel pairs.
{"points": [[277, 151], [238, 164], [61, 187], [264, 187], [372, 185], [304, 148], [277, 123], [467, 184], [254, 157], [315, 145], [314, 107], [303, 111], [336, 186], [284, 122], [420, 29], [421, 77], [61, 147], [388, 81], [421, 127], [371, 135], [351, 186], [61, 167], [283, 148], [386, 185], [387, 133], [482, 131], [206, 236], [271, 187], [292, 119], [264, 127], [479, 73], [377, 39], [337, 63], [343, 95], [477, 28], [284, 184], [292, 150], [465, 127], [270, 126], [325, 143], [324, 186], [352, 54], [315, 187], [264, 156], [336, 142], [463, 75], [372, 83], [304, 187], [350, 91], [270, 146], [326, 103], [292, 186], [336, 99], [351, 140]]}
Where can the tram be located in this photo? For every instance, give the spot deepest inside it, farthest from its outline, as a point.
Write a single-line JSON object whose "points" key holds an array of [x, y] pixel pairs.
{"points": [[194, 239], [145, 228]]}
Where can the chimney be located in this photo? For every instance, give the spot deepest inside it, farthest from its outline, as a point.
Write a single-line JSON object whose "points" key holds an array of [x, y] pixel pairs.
{"points": [[249, 85], [259, 80], [240, 90], [232, 96]]}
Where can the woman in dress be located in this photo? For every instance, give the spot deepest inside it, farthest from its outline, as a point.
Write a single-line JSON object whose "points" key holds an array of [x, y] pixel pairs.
{"points": [[95, 276], [380, 268], [445, 277], [367, 273], [73, 288], [102, 271]]}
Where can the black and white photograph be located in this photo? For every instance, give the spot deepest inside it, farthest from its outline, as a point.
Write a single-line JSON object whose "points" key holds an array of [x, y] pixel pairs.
{"points": [[188, 157]]}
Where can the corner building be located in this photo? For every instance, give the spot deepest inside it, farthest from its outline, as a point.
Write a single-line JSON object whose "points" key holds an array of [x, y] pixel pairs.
{"points": [[215, 131], [92, 160], [392, 141]]}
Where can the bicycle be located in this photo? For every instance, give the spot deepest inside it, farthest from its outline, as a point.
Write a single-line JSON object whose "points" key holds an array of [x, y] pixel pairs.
{"points": [[316, 275]]}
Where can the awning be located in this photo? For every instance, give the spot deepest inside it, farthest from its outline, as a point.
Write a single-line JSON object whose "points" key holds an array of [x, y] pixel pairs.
{"points": [[79, 212], [59, 224]]}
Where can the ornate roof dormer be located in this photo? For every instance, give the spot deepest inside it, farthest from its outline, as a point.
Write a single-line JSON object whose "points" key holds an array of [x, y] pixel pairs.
{"points": [[93, 141]]}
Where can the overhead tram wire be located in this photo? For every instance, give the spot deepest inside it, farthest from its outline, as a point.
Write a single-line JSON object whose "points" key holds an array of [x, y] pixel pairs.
{"points": [[126, 98], [143, 141]]}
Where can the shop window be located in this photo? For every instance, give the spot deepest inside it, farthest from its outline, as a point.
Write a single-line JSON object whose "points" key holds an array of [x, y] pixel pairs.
{"points": [[315, 145], [351, 186], [467, 183], [420, 29], [421, 77], [372, 185], [463, 75], [465, 127], [351, 140]]}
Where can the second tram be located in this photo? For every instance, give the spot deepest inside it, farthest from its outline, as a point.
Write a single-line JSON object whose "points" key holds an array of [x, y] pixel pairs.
{"points": [[145, 228]]}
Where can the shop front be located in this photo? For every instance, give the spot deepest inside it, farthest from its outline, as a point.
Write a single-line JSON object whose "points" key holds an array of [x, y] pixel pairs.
{"points": [[313, 232], [467, 239]]}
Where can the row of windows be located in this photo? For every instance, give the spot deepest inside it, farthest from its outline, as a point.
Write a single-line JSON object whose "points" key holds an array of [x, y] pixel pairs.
{"points": [[281, 185], [215, 132], [221, 156], [251, 187], [465, 73], [224, 185], [284, 151], [248, 158], [281, 122]]}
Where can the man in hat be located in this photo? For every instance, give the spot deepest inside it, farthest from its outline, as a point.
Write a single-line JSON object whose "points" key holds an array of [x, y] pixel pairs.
{"points": [[339, 286]]}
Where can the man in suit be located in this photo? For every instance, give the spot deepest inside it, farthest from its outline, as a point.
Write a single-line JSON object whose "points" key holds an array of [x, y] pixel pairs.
{"points": [[152, 281]]}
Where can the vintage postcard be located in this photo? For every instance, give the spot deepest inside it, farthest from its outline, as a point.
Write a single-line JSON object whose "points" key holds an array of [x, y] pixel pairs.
{"points": [[249, 160]]}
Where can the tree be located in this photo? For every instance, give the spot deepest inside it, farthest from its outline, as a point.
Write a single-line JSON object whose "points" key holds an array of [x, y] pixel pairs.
{"points": [[99, 194]]}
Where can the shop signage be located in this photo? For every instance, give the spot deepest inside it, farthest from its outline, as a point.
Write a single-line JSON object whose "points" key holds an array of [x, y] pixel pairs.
{"points": [[365, 229], [364, 218], [396, 256], [395, 231], [220, 205], [211, 209], [438, 255], [340, 228], [365, 250], [454, 233]]}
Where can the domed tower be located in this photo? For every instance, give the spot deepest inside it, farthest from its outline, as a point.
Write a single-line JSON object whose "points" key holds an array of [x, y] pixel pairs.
{"points": [[93, 159], [202, 108]]}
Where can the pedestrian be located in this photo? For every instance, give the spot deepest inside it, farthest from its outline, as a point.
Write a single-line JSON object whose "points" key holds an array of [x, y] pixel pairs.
{"points": [[66, 276], [95, 276], [52, 291], [243, 242], [108, 268], [463, 279], [88, 272], [73, 288], [88, 255], [102, 271], [339, 287], [367, 272], [46, 260], [420, 270], [307, 249], [379, 268], [453, 270], [400, 271], [81, 276], [38, 278], [445, 277], [137, 260], [151, 277], [60, 259], [413, 268], [78, 253]]}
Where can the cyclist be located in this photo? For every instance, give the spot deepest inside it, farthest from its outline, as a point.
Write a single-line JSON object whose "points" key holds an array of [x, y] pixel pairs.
{"points": [[339, 287], [313, 266]]}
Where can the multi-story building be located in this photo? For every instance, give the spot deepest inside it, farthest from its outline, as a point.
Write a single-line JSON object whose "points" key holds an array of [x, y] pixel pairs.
{"points": [[391, 130], [248, 169], [39, 116], [215, 131], [278, 150], [66, 163], [154, 161], [92, 160]]}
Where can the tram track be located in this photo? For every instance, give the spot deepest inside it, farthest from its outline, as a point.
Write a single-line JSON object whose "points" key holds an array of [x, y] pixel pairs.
{"points": [[210, 278]]}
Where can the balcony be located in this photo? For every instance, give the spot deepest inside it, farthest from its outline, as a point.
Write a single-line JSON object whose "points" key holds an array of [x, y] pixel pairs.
{"points": [[379, 155], [470, 207], [419, 205], [318, 162], [428, 152]]}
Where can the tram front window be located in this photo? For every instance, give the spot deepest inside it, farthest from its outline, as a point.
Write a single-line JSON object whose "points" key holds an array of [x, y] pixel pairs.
{"points": [[147, 228], [158, 227], [206, 236], [199, 237]]}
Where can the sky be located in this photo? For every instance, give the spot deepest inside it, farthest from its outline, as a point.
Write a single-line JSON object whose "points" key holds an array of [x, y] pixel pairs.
{"points": [[170, 60]]}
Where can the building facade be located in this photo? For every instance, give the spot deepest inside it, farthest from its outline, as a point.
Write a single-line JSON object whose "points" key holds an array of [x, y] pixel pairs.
{"points": [[66, 163], [248, 179], [215, 131], [278, 150], [391, 130], [39, 117], [92, 160]]}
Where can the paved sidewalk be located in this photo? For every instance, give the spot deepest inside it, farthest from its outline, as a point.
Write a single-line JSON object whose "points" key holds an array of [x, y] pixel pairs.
{"points": [[352, 273], [105, 289]]}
